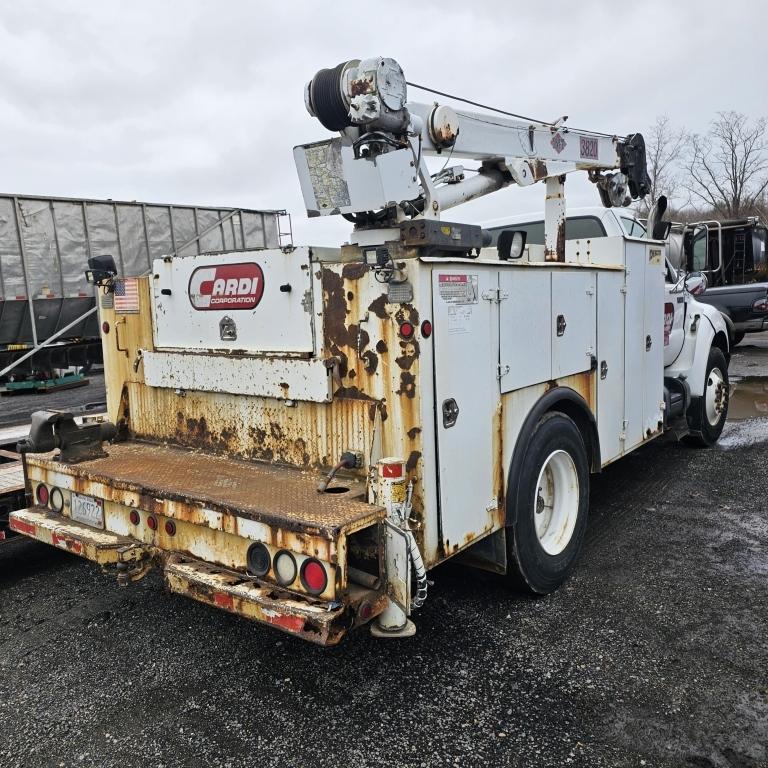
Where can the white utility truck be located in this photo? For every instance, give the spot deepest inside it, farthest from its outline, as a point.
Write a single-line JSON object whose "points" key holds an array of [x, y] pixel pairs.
{"points": [[298, 435]]}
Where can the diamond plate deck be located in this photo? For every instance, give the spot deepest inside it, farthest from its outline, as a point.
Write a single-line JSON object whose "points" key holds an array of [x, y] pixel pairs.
{"points": [[280, 496]]}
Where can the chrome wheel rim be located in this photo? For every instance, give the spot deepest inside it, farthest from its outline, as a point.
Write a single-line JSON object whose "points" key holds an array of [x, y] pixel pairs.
{"points": [[715, 397]]}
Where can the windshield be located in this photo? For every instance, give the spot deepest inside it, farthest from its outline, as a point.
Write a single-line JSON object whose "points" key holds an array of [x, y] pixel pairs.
{"points": [[633, 227]]}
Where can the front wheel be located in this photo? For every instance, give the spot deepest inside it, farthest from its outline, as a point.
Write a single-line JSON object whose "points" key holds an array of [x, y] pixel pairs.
{"points": [[552, 503], [706, 415]]}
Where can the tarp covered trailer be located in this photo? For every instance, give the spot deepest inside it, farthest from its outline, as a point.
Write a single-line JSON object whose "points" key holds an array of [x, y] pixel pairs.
{"points": [[45, 243]]}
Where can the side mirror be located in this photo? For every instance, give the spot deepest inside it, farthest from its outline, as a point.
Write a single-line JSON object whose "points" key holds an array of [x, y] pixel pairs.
{"points": [[511, 244], [696, 283], [101, 270], [661, 230]]}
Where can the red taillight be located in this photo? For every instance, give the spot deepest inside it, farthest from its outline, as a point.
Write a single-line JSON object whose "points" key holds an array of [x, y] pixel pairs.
{"points": [[134, 517], [42, 495], [761, 305], [105, 327], [406, 330], [152, 523], [313, 576], [365, 611], [170, 527], [426, 329], [57, 500]]}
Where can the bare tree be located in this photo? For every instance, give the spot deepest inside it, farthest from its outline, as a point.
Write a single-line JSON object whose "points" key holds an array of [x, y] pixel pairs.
{"points": [[663, 148], [728, 166]]}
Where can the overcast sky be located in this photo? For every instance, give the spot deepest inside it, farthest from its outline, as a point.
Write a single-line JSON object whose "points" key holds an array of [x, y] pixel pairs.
{"points": [[202, 102]]}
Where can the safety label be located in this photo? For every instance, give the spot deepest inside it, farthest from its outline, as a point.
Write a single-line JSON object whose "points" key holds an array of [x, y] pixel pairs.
{"points": [[458, 289], [459, 318]]}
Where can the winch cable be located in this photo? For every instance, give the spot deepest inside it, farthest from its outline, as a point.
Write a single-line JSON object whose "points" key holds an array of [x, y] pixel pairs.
{"points": [[510, 114]]}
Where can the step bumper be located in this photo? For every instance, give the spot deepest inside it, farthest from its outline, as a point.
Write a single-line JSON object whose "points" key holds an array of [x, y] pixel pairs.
{"points": [[102, 547]]}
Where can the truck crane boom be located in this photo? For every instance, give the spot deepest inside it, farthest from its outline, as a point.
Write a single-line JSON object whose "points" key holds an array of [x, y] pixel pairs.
{"points": [[376, 172]]}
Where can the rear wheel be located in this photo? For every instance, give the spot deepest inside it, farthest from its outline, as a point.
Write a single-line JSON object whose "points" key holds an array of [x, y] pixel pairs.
{"points": [[707, 414], [552, 503]]}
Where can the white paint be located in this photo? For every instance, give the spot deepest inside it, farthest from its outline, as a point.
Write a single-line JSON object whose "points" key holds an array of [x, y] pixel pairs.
{"points": [[307, 379]]}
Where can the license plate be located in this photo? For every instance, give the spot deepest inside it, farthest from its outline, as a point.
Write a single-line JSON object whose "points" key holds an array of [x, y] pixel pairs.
{"points": [[86, 509]]}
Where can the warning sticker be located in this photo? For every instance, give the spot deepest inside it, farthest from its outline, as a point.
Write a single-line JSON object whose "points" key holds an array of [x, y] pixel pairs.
{"points": [[654, 255], [458, 289], [459, 318]]}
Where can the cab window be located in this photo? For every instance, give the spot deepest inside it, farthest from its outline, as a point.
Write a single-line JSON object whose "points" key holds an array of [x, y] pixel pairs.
{"points": [[576, 228], [633, 227]]}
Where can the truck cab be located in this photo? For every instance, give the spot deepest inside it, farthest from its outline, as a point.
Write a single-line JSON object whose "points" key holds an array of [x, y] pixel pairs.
{"points": [[732, 254]]}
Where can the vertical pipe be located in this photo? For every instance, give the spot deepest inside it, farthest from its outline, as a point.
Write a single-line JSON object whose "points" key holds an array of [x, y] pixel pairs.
{"points": [[554, 219], [23, 252], [221, 225], [242, 228], [60, 262], [119, 241], [234, 237], [197, 230], [146, 234], [173, 232]]}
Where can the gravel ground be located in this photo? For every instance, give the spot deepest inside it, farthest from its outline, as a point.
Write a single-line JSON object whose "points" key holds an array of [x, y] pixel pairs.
{"points": [[653, 654]]}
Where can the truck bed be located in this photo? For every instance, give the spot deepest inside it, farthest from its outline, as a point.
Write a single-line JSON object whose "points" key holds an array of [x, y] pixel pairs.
{"points": [[281, 496]]}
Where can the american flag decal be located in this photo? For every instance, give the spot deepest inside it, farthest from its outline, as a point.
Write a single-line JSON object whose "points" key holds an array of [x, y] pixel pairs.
{"points": [[127, 296]]}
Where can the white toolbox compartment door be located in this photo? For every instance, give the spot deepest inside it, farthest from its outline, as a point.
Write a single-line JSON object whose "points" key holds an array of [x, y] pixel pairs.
{"points": [[245, 301], [466, 339], [573, 321]]}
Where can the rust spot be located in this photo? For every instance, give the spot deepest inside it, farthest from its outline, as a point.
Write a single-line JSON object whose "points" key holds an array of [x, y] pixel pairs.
{"points": [[352, 374], [351, 393], [539, 170], [370, 361], [350, 296], [334, 309], [379, 307], [381, 346], [413, 459], [407, 313], [413, 431], [362, 86], [284, 387], [561, 241], [354, 270], [410, 353], [407, 385]]}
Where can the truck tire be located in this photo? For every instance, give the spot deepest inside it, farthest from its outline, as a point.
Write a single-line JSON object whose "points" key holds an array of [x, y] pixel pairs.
{"points": [[706, 415], [552, 505]]}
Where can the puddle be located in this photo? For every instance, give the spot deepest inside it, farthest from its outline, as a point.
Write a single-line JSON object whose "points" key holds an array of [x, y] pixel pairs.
{"points": [[749, 398], [747, 413]]}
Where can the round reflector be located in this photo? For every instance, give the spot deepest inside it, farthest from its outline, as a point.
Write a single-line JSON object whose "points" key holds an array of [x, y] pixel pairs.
{"points": [[170, 527], [313, 576], [426, 329], [105, 327], [57, 500], [406, 330], [152, 523], [258, 559], [42, 495], [134, 517], [285, 567]]}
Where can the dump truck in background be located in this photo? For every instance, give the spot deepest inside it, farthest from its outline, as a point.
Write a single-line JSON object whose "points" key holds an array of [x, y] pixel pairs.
{"points": [[45, 243], [297, 435]]}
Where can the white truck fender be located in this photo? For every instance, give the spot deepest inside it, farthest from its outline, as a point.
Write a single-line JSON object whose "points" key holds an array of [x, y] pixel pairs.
{"points": [[703, 324]]}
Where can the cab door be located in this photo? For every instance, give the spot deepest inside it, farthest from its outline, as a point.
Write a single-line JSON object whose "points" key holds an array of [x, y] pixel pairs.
{"points": [[674, 316]]}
